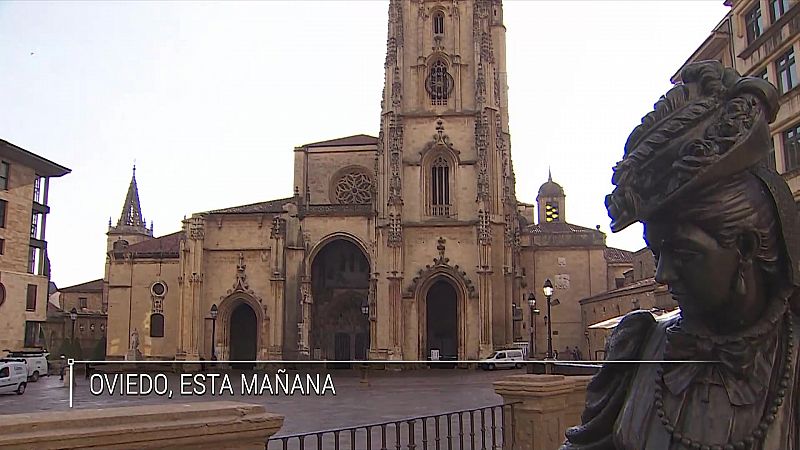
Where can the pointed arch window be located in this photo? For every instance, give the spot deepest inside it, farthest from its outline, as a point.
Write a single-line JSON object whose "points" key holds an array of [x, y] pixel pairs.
{"points": [[156, 325], [440, 187], [439, 83], [438, 23]]}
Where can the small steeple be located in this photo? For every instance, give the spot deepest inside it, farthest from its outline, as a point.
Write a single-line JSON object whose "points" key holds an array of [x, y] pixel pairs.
{"points": [[549, 174], [131, 211]]}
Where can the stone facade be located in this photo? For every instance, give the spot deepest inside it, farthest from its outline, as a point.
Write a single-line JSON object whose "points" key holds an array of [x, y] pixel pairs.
{"points": [[89, 329], [762, 38], [24, 267], [638, 290], [390, 247]]}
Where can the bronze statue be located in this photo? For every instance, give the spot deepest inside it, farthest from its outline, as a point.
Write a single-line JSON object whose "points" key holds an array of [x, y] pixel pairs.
{"points": [[722, 226]]}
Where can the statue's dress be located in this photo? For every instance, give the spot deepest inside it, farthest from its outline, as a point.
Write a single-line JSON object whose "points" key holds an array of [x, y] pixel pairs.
{"points": [[752, 396]]}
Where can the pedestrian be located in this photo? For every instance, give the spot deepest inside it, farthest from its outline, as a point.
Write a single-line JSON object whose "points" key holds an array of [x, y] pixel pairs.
{"points": [[63, 367], [568, 353]]}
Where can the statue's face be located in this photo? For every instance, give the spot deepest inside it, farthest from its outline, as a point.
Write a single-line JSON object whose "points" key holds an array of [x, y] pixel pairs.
{"points": [[698, 271]]}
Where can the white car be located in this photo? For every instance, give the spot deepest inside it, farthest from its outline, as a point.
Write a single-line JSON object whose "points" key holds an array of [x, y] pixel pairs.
{"points": [[36, 362], [13, 377], [511, 358]]}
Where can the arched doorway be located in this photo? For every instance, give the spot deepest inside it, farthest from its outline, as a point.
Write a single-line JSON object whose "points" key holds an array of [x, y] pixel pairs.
{"points": [[243, 333], [340, 288], [441, 312]]}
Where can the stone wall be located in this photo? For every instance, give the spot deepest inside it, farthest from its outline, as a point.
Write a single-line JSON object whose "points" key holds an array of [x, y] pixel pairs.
{"points": [[221, 424], [544, 406]]}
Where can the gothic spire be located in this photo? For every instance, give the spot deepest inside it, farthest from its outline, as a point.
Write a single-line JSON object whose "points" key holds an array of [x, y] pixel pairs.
{"points": [[131, 210]]}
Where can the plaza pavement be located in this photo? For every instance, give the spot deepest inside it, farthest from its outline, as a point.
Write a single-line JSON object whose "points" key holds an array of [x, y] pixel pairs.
{"points": [[389, 395]]}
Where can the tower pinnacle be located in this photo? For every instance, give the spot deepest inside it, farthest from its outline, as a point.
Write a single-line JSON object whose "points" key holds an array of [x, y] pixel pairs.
{"points": [[131, 210]]}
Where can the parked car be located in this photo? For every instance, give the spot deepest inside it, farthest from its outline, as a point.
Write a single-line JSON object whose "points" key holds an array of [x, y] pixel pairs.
{"points": [[510, 358], [13, 376], [36, 362]]}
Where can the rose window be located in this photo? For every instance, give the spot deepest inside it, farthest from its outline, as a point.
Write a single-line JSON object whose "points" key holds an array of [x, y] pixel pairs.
{"points": [[354, 188]]}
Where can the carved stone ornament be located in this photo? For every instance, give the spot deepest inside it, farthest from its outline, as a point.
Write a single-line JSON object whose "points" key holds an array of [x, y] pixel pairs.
{"points": [[480, 84], [241, 285], [481, 143], [353, 187], [278, 229], [196, 228], [395, 236], [395, 150], [441, 264], [484, 228], [723, 227]]}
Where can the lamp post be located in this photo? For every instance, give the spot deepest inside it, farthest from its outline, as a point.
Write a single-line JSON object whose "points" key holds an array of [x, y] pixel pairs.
{"points": [[532, 326], [214, 312], [548, 293], [365, 312], [73, 316]]}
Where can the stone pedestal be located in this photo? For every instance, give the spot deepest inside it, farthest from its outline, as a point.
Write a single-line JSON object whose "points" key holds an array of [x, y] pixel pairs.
{"points": [[218, 425], [544, 407], [67, 371]]}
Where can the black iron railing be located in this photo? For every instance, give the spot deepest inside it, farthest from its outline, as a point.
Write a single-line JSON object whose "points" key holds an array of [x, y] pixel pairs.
{"points": [[487, 428]]}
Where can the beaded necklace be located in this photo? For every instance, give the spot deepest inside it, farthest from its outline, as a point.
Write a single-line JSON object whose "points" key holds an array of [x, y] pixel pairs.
{"points": [[759, 431]]}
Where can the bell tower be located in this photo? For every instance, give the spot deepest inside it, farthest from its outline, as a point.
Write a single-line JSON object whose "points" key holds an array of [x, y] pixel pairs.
{"points": [[445, 178]]}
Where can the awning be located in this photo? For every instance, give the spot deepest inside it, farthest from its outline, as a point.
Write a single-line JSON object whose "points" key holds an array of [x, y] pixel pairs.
{"points": [[611, 323]]}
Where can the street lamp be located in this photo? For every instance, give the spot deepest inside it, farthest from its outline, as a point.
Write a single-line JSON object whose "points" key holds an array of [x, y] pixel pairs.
{"points": [[548, 292], [532, 326], [214, 312], [73, 316], [365, 312]]}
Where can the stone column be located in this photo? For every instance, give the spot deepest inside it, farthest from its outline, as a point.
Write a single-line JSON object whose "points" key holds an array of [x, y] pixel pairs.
{"points": [[544, 406]]}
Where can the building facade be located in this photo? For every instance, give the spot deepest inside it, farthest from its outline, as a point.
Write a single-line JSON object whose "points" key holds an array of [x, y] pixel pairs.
{"points": [[76, 327], [577, 262], [405, 246], [762, 38], [24, 266]]}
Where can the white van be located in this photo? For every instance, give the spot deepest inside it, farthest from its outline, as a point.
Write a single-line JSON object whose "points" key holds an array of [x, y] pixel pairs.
{"points": [[36, 362], [511, 358], [13, 376]]}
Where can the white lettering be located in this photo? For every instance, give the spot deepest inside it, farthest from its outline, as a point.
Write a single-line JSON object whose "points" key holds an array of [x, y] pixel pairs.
{"points": [[328, 382], [249, 388], [282, 383], [98, 377]]}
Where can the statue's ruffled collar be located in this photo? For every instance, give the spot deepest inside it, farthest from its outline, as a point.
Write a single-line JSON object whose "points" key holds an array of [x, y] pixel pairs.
{"points": [[744, 359], [766, 325]]}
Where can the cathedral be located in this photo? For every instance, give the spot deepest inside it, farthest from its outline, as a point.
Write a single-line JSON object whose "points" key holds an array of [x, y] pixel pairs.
{"points": [[404, 246]]}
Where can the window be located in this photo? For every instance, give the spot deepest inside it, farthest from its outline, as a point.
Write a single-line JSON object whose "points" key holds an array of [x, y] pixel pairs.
{"points": [[82, 302], [438, 23], [777, 8], [30, 303], [771, 162], [37, 189], [791, 147], [2, 246], [4, 373], [3, 209], [4, 169], [35, 265], [34, 337], [754, 23], [787, 71], [156, 325], [440, 187], [2, 294], [36, 219], [763, 74], [551, 212], [439, 83]]}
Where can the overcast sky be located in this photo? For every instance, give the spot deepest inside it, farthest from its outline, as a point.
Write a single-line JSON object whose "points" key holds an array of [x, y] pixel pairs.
{"points": [[210, 99]]}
